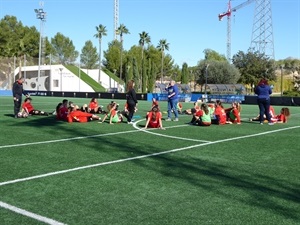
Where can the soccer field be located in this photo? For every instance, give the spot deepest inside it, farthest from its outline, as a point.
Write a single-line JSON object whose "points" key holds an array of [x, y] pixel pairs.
{"points": [[54, 172]]}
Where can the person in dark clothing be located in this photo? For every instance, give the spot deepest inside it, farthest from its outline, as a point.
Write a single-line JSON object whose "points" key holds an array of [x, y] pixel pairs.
{"points": [[131, 101], [18, 91], [263, 91]]}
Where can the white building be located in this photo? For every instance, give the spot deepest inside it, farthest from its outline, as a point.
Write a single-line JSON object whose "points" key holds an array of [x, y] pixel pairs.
{"points": [[59, 78]]}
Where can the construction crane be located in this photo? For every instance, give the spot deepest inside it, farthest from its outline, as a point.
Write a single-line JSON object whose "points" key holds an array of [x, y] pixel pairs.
{"points": [[228, 14]]}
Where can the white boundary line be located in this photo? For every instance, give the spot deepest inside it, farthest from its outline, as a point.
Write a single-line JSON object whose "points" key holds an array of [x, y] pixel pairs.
{"points": [[29, 214], [141, 157]]}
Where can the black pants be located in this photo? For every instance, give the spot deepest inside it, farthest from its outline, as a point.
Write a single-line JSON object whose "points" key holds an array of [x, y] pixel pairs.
{"points": [[264, 109], [17, 105], [131, 108]]}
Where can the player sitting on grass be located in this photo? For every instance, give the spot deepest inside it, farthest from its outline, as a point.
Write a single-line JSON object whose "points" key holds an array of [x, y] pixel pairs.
{"points": [[203, 116], [76, 115], [154, 118], [233, 113], [29, 109], [283, 116], [219, 116], [113, 115]]}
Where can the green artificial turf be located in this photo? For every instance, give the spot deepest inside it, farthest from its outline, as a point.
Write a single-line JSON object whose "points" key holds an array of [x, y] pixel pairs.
{"points": [[92, 173]]}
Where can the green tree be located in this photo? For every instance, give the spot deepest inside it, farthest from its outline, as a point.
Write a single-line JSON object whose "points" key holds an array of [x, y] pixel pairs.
{"points": [[122, 29], [253, 66], [184, 74], [112, 56], [162, 46], [64, 49], [144, 77], [135, 71], [101, 31], [210, 54], [89, 56], [216, 72]]}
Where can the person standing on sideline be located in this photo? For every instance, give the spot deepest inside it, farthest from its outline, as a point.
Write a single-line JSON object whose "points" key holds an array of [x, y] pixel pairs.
{"points": [[18, 91], [263, 91], [131, 101], [172, 90]]}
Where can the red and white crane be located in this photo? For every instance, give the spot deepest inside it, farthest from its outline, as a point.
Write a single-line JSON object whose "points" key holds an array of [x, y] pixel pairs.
{"points": [[228, 14]]}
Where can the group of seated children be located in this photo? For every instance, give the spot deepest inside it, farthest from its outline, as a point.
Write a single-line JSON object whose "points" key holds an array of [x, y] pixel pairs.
{"points": [[67, 111], [113, 114], [208, 114], [93, 107], [280, 118]]}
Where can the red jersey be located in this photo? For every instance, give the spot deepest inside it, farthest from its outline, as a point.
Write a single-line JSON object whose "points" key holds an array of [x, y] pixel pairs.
{"points": [[234, 116], [27, 107], [62, 113], [79, 116], [93, 105], [281, 118], [220, 112], [154, 122]]}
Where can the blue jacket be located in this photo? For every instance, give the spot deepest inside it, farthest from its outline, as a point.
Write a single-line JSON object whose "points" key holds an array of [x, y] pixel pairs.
{"points": [[263, 91], [171, 90]]}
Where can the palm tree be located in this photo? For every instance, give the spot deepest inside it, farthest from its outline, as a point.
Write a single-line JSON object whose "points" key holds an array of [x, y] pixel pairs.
{"points": [[122, 29], [162, 46], [144, 39], [101, 31]]}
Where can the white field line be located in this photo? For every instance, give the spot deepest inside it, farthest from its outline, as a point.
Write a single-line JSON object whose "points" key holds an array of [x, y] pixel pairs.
{"points": [[29, 214], [82, 137], [142, 156], [164, 135]]}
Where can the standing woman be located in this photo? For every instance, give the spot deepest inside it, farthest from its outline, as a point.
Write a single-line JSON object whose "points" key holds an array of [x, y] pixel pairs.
{"points": [[131, 101], [263, 91], [18, 91]]}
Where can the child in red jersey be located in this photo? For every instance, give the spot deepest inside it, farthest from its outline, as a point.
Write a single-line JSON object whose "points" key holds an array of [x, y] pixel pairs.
{"points": [[283, 116], [233, 113], [154, 119], [79, 116], [219, 114], [62, 110], [29, 109]]}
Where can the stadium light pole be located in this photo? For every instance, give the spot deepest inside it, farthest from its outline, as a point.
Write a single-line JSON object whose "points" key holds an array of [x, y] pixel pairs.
{"points": [[41, 15]]}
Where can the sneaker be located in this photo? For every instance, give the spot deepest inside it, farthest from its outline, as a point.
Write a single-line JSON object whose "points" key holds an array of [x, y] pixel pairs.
{"points": [[130, 122], [261, 123], [176, 119], [271, 123], [169, 119]]}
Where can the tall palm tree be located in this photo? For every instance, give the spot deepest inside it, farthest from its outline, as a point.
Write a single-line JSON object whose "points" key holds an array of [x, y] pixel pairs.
{"points": [[144, 39], [101, 31], [122, 29], [162, 46]]}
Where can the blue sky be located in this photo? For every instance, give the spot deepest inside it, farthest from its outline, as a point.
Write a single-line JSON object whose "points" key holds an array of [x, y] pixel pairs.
{"points": [[189, 26]]}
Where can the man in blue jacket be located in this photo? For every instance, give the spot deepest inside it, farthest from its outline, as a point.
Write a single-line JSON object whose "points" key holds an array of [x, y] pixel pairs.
{"points": [[173, 92]]}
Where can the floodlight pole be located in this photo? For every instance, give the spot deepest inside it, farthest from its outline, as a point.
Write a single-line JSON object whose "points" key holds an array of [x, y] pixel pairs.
{"points": [[41, 15]]}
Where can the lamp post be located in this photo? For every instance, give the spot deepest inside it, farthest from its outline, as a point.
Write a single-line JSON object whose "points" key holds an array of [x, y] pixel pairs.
{"points": [[206, 71], [61, 69], [281, 85], [41, 15]]}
